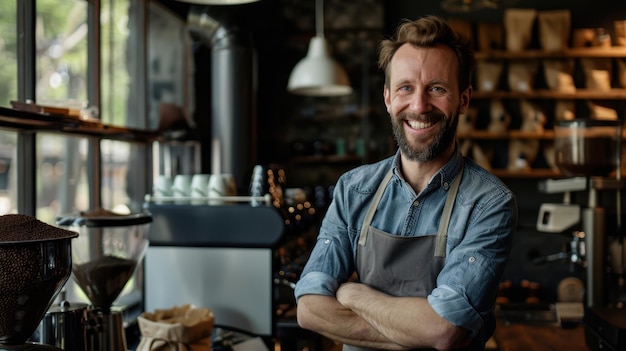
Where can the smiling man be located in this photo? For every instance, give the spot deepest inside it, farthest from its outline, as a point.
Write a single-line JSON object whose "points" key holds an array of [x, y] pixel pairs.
{"points": [[412, 248]]}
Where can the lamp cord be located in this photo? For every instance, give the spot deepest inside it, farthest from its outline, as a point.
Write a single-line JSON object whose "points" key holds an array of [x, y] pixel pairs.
{"points": [[319, 18]]}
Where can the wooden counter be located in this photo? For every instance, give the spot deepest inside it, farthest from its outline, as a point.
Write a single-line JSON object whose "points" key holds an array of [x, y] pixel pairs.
{"points": [[524, 337]]}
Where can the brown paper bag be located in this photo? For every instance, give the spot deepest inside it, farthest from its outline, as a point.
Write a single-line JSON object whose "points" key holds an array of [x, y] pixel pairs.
{"points": [[602, 112], [554, 29], [518, 26], [500, 119], [564, 110], [184, 328], [488, 75], [583, 37], [523, 152], [598, 73], [521, 75], [560, 75]]}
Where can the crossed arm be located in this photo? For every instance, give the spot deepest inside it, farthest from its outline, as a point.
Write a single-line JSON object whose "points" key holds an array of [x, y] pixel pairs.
{"points": [[362, 316]]}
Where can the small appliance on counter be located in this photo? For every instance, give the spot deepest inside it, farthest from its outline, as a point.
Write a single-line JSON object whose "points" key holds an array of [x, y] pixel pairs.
{"points": [[35, 263], [104, 257], [589, 151]]}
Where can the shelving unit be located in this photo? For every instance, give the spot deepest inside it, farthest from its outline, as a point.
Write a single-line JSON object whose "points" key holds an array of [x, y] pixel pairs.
{"points": [[616, 97]]}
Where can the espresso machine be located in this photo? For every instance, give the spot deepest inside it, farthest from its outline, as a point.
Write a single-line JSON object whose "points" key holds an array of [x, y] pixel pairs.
{"points": [[105, 254], [589, 153]]}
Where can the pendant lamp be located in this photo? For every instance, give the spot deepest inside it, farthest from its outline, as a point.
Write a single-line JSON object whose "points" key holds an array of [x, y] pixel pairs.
{"points": [[219, 2], [318, 74]]}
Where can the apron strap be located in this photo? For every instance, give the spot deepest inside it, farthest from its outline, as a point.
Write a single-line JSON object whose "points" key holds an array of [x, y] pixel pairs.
{"points": [[372, 208], [442, 233]]}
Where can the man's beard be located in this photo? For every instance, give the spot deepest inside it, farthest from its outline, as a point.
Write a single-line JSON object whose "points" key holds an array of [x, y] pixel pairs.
{"points": [[445, 137]]}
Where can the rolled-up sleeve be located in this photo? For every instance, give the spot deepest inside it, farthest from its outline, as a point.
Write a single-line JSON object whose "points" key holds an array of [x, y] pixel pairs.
{"points": [[331, 260], [467, 286]]}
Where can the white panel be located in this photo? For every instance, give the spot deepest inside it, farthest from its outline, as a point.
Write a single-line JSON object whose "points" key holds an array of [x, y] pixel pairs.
{"points": [[235, 283]]}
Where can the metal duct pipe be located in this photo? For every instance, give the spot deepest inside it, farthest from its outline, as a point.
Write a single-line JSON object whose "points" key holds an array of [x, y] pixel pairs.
{"points": [[233, 92]]}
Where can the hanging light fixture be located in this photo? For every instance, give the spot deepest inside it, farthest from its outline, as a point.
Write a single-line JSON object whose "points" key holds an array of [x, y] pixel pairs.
{"points": [[219, 2], [318, 74]]}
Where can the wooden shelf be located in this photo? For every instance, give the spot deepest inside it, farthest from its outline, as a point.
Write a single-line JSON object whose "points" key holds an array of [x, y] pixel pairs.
{"points": [[513, 134], [597, 52], [326, 159], [532, 173], [31, 121], [579, 94]]}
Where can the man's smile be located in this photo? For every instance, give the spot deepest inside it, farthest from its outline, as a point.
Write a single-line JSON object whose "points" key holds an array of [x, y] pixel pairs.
{"points": [[419, 124]]}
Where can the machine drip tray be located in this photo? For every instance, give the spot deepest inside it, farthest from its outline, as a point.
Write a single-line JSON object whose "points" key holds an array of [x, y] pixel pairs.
{"points": [[605, 328]]}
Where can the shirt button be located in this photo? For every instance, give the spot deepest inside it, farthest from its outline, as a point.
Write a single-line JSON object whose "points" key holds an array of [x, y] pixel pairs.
{"points": [[472, 259], [327, 241], [416, 203], [445, 185]]}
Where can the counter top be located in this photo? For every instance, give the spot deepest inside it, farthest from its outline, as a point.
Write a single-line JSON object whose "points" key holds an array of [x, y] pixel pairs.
{"points": [[523, 337]]}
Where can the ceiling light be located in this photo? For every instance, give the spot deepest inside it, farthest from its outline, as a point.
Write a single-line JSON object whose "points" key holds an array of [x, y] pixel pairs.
{"points": [[318, 74]]}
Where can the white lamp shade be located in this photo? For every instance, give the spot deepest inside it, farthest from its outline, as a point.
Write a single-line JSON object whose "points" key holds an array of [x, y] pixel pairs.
{"points": [[219, 2], [318, 74]]}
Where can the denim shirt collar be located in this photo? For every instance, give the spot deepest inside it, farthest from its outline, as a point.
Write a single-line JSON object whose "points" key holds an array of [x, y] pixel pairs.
{"points": [[444, 176]]}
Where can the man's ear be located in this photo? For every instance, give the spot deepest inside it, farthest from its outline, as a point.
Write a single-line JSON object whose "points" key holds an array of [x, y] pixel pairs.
{"points": [[387, 99], [466, 96]]}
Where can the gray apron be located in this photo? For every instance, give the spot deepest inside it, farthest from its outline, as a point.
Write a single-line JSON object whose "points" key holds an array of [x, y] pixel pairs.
{"points": [[400, 265]]}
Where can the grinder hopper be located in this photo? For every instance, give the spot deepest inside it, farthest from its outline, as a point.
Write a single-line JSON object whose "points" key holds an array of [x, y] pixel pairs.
{"points": [[104, 257], [35, 263]]}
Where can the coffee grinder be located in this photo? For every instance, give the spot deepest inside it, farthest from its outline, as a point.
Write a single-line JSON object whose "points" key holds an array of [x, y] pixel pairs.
{"points": [[589, 151], [35, 263], [104, 257]]}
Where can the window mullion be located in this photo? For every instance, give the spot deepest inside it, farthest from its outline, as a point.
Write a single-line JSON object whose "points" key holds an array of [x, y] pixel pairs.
{"points": [[94, 71], [26, 71]]}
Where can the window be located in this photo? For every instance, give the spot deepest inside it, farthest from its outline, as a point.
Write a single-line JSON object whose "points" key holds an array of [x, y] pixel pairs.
{"points": [[61, 47], [8, 52], [99, 74]]}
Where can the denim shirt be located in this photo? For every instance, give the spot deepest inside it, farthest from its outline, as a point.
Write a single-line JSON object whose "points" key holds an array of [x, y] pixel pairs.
{"points": [[483, 221]]}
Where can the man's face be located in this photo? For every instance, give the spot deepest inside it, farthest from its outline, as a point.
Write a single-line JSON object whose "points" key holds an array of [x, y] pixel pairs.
{"points": [[423, 100]]}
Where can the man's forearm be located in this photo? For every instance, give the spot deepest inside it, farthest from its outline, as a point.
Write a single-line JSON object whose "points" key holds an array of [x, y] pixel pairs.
{"points": [[409, 321], [326, 316]]}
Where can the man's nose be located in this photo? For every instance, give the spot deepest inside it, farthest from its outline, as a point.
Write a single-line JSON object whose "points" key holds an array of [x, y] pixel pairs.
{"points": [[420, 102]]}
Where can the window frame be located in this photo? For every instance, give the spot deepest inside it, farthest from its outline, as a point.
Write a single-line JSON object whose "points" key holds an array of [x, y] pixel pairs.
{"points": [[27, 124]]}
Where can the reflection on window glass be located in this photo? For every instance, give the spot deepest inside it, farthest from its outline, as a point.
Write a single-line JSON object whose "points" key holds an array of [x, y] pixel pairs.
{"points": [[123, 176], [115, 166], [169, 66], [8, 172], [62, 52], [62, 183], [118, 43], [8, 52]]}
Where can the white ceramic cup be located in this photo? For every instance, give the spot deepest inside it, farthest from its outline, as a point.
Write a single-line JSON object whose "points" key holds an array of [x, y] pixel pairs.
{"points": [[181, 187], [199, 188], [221, 185], [162, 188]]}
